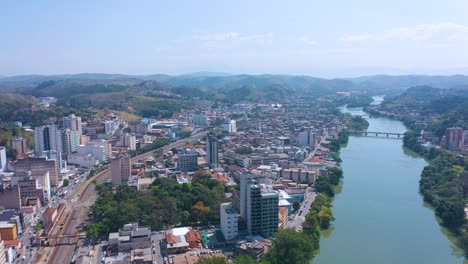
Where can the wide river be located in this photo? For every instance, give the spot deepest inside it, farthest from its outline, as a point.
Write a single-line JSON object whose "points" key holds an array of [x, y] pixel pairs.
{"points": [[380, 216]]}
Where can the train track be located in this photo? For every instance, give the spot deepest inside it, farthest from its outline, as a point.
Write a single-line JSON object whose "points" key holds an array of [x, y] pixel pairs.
{"points": [[64, 253]]}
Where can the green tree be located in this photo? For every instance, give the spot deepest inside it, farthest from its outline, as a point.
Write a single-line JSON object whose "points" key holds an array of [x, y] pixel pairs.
{"points": [[66, 182], [296, 205], [184, 217], [244, 259], [212, 260], [291, 247], [325, 216]]}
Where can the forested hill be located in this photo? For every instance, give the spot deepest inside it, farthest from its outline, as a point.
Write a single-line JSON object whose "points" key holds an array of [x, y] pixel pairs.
{"points": [[226, 82]]}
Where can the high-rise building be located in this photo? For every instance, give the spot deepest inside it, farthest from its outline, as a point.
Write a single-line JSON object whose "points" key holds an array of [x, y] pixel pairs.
{"points": [[2, 251], [229, 126], [37, 166], [306, 138], [73, 123], [228, 221], [199, 120], [120, 170], [47, 137], [19, 145], [188, 160], [212, 151], [3, 159], [245, 181], [454, 137], [128, 140], [262, 210], [70, 141]]}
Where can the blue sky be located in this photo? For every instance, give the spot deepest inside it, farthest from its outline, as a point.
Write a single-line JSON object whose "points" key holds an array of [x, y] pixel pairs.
{"points": [[319, 38]]}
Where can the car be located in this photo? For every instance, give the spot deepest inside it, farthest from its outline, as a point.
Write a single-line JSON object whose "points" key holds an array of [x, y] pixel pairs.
{"points": [[154, 251]]}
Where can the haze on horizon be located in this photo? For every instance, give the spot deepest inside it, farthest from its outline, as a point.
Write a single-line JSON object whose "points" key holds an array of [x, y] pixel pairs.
{"points": [[318, 38]]}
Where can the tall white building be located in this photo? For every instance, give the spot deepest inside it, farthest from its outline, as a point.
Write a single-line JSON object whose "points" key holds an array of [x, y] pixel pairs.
{"points": [[228, 221], [229, 126], [245, 181], [47, 137], [3, 159], [128, 140]]}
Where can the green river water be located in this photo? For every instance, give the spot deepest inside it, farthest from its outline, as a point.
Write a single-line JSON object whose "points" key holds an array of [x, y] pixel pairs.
{"points": [[380, 216]]}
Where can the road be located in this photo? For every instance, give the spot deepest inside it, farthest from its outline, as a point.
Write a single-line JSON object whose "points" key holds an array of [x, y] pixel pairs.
{"points": [[78, 208], [299, 218]]}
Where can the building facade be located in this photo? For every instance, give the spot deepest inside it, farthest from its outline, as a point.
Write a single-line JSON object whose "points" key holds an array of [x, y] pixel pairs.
{"points": [[121, 170], [228, 221], [262, 210], [212, 151], [188, 160]]}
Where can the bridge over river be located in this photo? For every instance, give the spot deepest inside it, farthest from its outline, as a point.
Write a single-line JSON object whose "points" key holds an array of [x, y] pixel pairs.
{"points": [[376, 133]]}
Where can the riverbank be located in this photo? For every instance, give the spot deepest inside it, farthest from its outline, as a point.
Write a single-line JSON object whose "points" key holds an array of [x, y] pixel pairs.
{"points": [[380, 217]]}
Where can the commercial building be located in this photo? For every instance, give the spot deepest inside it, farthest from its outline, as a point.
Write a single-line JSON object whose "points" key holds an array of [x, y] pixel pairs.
{"points": [[47, 137], [199, 120], [128, 140], [121, 170], [262, 210], [245, 181], [306, 138], [229, 126], [212, 151], [188, 160], [19, 145], [37, 166], [130, 237], [3, 159], [228, 221], [73, 123]]}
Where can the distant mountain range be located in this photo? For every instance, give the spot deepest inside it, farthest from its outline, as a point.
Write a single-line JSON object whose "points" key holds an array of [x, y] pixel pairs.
{"points": [[214, 80]]}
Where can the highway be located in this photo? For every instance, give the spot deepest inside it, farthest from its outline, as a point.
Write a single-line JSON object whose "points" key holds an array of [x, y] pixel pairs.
{"points": [[76, 211]]}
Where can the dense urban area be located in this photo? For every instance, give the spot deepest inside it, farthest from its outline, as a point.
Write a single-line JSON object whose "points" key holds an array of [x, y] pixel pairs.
{"points": [[189, 169]]}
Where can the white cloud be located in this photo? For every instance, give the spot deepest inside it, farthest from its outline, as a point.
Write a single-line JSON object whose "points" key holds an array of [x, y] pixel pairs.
{"points": [[355, 38], [212, 37], [307, 40], [445, 30], [218, 36]]}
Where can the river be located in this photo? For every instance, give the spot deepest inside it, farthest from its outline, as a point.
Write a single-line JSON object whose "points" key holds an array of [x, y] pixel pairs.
{"points": [[380, 216]]}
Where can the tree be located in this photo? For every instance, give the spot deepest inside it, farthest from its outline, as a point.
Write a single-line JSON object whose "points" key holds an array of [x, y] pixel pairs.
{"points": [[244, 150], [38, 227], [184, 217], [291, 247], [244, 259], [212, 260], [296, 205], [174, 150], [325, 216], [66, 182], [199, 212]]}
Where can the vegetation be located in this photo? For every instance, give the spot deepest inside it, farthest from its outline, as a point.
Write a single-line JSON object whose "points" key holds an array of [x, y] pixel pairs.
{"points": [[166, 203], [244, 150], [212, 260], [66, 182], [291, 247], [356, 123], [296, 205]]}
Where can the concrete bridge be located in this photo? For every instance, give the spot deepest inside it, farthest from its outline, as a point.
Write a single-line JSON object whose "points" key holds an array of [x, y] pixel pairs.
{"points": [[376, 133]]}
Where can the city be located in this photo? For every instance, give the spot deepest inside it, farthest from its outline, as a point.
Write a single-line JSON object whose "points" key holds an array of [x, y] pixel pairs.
{"points": [[208, 132]]}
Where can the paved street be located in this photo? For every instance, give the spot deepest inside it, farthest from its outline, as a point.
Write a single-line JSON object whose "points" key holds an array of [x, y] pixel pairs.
{"points": [[299, 217]]}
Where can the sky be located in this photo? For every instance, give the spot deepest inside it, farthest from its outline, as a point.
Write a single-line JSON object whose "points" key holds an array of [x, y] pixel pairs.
{"points": [[332, 38]]}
